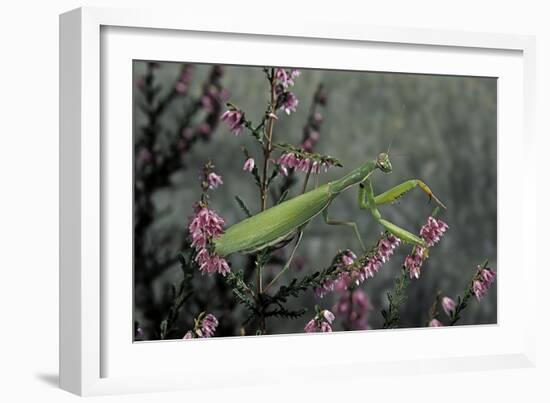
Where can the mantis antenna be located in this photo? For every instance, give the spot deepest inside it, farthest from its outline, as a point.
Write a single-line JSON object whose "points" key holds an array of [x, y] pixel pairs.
{"points": [[391, 142]]}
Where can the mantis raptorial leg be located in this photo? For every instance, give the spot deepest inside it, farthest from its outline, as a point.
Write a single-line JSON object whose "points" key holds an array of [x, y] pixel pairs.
{"points": [[367, 200], [396, 192], [348, 223]]}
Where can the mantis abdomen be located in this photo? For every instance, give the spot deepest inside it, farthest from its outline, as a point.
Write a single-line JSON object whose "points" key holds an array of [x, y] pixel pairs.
{"points": [[273, 225]]}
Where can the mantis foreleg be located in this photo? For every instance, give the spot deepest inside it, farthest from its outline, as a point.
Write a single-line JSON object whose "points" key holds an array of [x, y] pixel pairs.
{"points": [[398, 191], [348, 223], [367, 200]]}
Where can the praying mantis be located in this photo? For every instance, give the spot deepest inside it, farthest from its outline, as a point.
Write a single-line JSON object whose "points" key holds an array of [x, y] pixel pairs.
{"points": [[278, 223]]}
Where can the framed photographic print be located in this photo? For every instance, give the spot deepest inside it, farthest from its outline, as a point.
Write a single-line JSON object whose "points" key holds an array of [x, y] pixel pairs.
{"points": [[230, 193]]}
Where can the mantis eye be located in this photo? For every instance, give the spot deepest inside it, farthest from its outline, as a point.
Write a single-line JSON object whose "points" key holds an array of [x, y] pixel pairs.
{"points": [[383, 162]]}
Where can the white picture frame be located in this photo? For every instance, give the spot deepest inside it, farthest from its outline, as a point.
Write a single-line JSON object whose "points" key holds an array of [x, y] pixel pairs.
{"points": [[97, 355]]}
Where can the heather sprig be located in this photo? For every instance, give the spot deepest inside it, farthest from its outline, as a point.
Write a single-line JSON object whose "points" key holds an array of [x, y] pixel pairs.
{"points": [[279, 79], [180, 295], [321, 323], [433, 315], [435, 323], [286, 77], [353, 307], [235, 119], [310, 137], [396, 298], [448, 305], [160, 153], [482, 280], [205, 326], [205, 225], [431, 233], [298, 159], [353, 270]]}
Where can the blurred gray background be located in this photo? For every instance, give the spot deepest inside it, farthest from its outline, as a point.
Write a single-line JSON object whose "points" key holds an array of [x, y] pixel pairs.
{"points": [[444, 130]]}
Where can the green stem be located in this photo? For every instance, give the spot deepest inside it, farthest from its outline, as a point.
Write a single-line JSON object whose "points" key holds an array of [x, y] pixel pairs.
{"points": [[307, 177], [461, 306], [463, 303], [396, 298]]}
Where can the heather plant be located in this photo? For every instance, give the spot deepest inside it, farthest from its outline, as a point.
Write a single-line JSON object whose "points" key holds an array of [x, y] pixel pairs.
{"points": [[159, 154], [251, 267]]}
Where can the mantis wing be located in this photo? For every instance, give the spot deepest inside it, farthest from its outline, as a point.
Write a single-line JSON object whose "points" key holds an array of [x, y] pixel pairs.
{"points": [[272, 225]]}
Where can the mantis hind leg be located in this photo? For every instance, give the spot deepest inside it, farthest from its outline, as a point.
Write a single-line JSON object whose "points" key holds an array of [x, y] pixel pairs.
{"points": [[348, 223], [368, 201], [289, 261]]}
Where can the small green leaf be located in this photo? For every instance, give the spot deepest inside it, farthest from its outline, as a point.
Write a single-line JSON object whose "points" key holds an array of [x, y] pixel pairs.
{"points": [[283, 197], [243, 206], [163, 328]]}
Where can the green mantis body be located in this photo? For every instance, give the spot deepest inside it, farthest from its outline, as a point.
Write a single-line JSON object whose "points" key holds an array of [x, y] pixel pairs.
{"points": [[277, 223]]}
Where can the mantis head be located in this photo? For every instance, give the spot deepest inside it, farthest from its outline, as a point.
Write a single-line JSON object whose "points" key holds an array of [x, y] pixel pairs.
{"points": [[383, 163]]}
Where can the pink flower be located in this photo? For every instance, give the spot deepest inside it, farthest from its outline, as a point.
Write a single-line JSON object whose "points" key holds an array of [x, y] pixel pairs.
{"points": [[433, 230], [211, 263], [286, 78], [235, 119], [311, 326], [249, 165], [184, 81], [287, 101], [448, 305], [205, 225], [292, 160], [321, 323], [488, 276], [343, 280], [209, 325], [329, 316], [369, 266], [206, 222], [479, 289], [385, 248], [482, 281], [214, 180], [288, 160], [205, 327], [435, 323], [348, 258], [282, 76], [355, 310], [325, 327], [413, 262]]}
